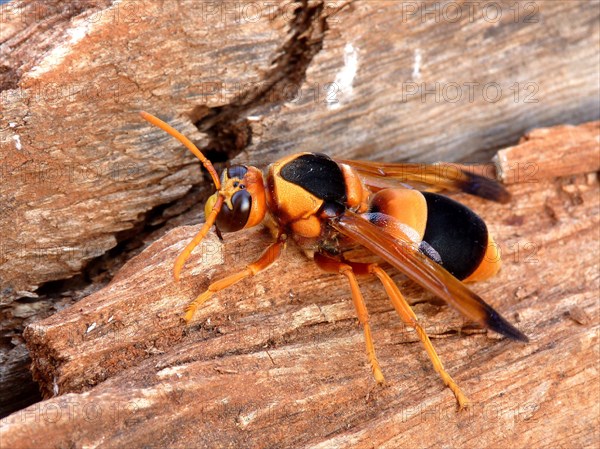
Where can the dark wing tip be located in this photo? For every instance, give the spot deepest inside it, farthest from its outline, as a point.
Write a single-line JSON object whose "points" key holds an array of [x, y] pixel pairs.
{"points": [[485, 188], [497, 323]]}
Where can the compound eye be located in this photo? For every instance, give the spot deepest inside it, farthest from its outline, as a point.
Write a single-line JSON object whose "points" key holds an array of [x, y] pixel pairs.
{"points": [[230, 220]]}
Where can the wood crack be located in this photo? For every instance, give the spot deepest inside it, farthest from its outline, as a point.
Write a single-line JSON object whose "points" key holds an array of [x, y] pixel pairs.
{"points": [[228, 127]]}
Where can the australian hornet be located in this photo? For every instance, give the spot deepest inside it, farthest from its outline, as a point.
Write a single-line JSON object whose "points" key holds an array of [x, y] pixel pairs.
{"points": [[330, 206]]}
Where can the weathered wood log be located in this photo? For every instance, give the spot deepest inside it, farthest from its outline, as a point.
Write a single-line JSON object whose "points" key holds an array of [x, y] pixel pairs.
{"points": [[279, 360], [540, 155], [390, 80], [80, 173]]}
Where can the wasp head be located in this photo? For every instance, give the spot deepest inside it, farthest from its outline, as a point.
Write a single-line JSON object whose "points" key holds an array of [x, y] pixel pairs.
{"points": [[243, 205]]}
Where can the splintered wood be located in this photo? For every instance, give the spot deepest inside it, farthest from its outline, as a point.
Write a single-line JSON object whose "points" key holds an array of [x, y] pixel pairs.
{"points": [[540, 155], [82, 176], [278, 361], [370, 79]]}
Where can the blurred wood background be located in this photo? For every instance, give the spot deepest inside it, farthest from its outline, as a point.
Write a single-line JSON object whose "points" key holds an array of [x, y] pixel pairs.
{"points": [[86, 185]]}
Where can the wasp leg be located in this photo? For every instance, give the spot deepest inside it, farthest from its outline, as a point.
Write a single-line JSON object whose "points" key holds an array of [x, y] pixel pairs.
{"points": [[267, 258], [331, 265], [410, 319]]}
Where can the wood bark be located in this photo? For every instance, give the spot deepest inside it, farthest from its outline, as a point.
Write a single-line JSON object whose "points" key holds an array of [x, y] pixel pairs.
{"points": [[85, 185], [82, 179], [278, 360], [386, 80]]}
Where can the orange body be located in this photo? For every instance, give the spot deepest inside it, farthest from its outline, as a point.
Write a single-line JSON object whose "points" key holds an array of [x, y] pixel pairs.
{"points": [[301, 213], [327, 206]]}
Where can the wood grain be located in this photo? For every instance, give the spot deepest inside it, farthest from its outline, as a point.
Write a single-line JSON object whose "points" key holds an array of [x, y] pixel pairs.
{"points": [[84, 184], [279, 360], [362, 79], [540, 155]]}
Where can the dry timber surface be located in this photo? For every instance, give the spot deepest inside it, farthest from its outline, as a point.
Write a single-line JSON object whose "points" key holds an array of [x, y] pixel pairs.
{"points": [[279, 360], [86, 185]]}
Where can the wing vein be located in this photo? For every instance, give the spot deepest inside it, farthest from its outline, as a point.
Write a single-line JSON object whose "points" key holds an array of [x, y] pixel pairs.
{"points": [[404, 256]]}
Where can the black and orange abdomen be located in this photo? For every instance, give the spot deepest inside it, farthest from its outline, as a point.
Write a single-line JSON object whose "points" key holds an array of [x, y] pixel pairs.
{"points": [[458, 237], [461, 238]]}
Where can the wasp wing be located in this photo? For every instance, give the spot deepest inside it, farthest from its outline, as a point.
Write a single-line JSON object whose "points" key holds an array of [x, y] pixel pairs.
{"points": [[434, 177], [404, 255]]}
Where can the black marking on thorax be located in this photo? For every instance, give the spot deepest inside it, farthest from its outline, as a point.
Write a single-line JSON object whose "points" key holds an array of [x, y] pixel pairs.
{"points": [[318, 174]]}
